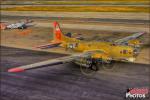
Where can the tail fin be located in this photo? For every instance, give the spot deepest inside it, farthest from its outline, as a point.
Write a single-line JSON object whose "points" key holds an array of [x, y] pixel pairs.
{"points": [[57, 33], [57, 37]]}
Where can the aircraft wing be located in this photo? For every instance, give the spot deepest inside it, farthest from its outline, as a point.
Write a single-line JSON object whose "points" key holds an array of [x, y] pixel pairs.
{"points": [[126, 39], [50, 62], [50, 45], [61, 60]]}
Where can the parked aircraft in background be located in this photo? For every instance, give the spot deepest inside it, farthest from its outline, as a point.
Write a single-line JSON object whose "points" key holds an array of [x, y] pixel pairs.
{"points": [[89, 55], [18, 25]]}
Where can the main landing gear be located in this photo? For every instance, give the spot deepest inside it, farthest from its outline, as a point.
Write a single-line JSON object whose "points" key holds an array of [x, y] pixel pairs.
{"points": [[94, 65]]}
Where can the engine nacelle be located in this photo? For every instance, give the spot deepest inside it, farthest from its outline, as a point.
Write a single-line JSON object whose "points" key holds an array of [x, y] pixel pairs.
{"points": [[84, 61]]}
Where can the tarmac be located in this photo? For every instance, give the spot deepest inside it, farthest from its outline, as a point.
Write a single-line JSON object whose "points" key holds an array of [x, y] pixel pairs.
{"points": [[65, 82]]}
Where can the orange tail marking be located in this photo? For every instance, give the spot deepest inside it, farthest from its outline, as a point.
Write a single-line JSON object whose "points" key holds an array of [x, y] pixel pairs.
{"points": [[57, 32]]}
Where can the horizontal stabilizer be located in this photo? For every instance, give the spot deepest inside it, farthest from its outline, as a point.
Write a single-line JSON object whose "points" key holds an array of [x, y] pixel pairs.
{"points": [[50, 45]]}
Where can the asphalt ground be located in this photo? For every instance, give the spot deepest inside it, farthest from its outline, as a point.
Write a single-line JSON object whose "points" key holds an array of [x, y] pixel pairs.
{"points": [[65, 82]]}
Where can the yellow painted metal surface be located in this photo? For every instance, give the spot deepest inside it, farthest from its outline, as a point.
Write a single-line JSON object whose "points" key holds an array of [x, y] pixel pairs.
{"points": [[112, 50]]}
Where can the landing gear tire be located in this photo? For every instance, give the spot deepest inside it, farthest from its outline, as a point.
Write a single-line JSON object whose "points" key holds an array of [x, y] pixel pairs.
{"points": [[108, 66], [20, 28], [94, 67], [87, 71], [91, 70]]}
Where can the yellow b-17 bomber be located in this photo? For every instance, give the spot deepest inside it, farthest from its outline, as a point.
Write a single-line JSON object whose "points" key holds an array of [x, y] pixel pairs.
{"points": [[89, 54]]}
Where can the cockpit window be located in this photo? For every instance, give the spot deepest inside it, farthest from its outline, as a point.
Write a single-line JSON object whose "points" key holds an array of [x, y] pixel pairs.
{"points": [[125, 51], [113, 44]]}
